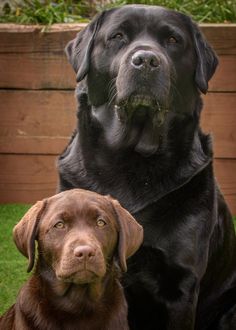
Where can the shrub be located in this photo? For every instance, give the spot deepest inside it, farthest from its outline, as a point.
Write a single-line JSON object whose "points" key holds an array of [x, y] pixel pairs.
{"points": [[67, 11]]}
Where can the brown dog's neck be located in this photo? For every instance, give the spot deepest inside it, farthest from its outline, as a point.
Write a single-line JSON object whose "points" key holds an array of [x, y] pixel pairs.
{"points": [[70, 298], [45, 304]]}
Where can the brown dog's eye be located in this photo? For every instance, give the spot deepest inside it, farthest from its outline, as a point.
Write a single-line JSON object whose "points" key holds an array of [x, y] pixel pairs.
{"points": [[101, 222], [59, 225], [172, 40]]}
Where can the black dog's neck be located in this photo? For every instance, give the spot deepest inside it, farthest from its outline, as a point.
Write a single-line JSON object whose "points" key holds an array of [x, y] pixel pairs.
{"points": [[118, 131], [184, 152]]}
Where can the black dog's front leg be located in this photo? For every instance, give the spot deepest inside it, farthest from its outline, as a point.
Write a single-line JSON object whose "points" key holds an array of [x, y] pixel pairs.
{"points": [[164, 301]]}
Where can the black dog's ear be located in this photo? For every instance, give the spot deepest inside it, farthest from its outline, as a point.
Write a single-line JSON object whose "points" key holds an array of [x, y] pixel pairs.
{"points": [[24, 233], [207, 60], [130, 234], [79, 50]]}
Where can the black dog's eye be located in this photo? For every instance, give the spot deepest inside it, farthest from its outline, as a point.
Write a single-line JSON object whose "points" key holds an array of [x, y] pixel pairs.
{"points": [[101, 222], [172, 40], [60, 225], [118, 36], [116, 39]]}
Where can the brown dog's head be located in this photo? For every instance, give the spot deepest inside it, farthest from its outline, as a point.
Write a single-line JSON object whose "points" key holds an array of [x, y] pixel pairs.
{"points": [[79, 233], [143, 64]]}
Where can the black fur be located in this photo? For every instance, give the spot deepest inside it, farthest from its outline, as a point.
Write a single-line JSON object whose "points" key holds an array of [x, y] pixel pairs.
{"points": [[152, 156]]}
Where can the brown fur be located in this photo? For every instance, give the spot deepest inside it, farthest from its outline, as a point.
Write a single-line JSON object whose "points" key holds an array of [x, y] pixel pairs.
{"points": [[75, 284]]}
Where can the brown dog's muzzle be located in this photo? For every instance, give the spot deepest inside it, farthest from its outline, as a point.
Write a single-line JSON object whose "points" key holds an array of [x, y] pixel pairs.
{"points": [[81, 261], [81, 236]]}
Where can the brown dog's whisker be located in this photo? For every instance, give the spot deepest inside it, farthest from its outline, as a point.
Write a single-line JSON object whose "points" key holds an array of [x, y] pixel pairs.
{"points": [[81, 238]]}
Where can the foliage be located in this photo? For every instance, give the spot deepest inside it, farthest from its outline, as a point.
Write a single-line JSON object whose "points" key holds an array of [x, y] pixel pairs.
{"points": [[48, 12], [200, 10]]}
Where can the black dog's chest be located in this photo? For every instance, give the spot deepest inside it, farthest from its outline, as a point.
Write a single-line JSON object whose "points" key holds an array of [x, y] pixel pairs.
{"points": [[164, 177], [149, 287]]}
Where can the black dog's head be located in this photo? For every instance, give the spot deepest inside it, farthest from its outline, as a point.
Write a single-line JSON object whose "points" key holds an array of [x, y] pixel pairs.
{"points": [[140, 65]]}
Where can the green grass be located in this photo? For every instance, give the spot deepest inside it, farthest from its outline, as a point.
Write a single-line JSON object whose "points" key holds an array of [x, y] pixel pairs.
{"points": [[13, 265], [48, 12]]}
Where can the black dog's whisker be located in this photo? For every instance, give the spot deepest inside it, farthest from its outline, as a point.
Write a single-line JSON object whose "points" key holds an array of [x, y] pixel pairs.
{"points": [[146, 68]]}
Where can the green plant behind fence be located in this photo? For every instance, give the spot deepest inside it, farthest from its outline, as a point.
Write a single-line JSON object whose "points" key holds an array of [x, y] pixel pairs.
{"points": [[47, 12]]}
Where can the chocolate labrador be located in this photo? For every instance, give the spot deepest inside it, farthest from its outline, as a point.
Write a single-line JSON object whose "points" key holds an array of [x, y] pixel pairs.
{"points": [[84, 240], [140, 72]]}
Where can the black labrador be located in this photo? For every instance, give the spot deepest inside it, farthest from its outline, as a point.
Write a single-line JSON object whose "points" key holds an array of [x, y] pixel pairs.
{"points": [[140, 73]]}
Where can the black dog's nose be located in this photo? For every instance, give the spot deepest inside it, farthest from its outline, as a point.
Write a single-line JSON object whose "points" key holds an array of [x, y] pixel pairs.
{"points": [[145, 59]]}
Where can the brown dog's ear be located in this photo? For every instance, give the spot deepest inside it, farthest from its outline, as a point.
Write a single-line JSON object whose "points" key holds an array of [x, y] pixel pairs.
{"points": [[24, 233], [207, 60], [79, 50], [130, 234]]}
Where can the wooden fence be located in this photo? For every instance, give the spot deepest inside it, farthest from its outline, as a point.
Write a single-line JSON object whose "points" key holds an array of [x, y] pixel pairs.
{"points": [[38, 107]]}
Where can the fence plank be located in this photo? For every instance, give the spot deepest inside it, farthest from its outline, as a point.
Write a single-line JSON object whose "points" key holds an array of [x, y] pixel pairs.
{"points": [[218, 118], [225, 170], [222, 37], [224, 79], [41, 122], [37, 60], [36, 71], [27, 178], [32, 39], [52, 71], [38, 122], [16, 38]]}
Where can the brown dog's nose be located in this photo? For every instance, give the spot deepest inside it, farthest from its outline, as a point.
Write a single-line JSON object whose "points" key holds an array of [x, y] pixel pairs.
{"points": [[145, 59], [84, 252]]}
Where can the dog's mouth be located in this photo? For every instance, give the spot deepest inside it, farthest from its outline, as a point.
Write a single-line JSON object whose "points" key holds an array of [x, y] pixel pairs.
{"points": [[140, 106], [79, 277], [137, 101]]}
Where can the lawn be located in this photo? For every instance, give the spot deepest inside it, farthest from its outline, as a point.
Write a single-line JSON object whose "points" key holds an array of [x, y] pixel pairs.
{"points": [[12, 264]]}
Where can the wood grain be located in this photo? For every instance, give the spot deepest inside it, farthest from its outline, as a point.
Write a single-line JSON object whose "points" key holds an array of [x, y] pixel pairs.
{"points": [[36, 71], [31, 59], [219, 119], [33, 39], [225, 170], [38, 109], [28, 178], [224, 79], [53, 71], [222, 37], [36, 122], [41, 122]]}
